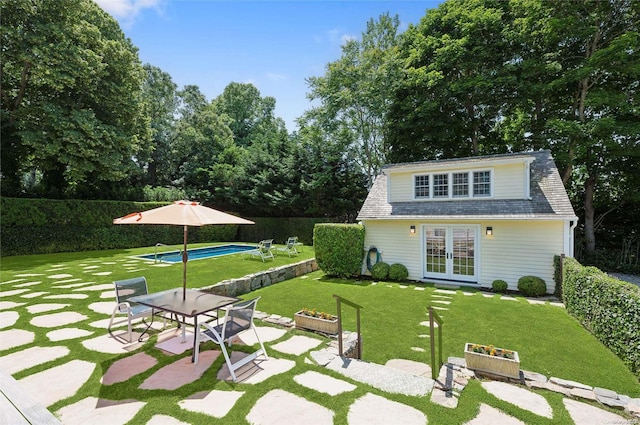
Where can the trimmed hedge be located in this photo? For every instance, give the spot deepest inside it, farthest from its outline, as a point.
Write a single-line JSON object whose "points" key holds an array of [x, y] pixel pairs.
{"points": [[398, 272], [380, 270], [532, 286], [499, 286], [39, 226], [339, 248], [607, 307]]}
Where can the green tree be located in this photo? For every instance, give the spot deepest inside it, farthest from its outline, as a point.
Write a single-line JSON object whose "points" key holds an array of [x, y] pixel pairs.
{"points": [[72, 111], [161, 99], [356, 90], [452, 92]]}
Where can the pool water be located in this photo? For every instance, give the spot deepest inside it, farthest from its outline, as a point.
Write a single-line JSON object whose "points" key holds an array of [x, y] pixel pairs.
{"points": [[198, 253]]}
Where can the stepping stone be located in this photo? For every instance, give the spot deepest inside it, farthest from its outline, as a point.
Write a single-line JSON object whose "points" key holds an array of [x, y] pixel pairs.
{"points": [[128, 367], [410, 366], [446, 297], [180, 372], [57, 285], [8, 318], [113, 344], [569, 384], [383, 378], [530, 301], [214, 403], [418, 349], [441, 302], [256, 371], [586, 414], [297, 345], [59, 276], [67, 333], [67, 297], [33, 295], [29, 274], [491, 416], [487, 295], [103, 307], [58, 383], [266, 333], [468, 294], [75, 285], [371, 409], [5, 305], [322, 357], [323, 383], [41, 308], [57, 319], [15, 338], [418, 288], [12, 293], [445, 291], [22, 360], [165, 420], [22, 285], [427, 324], [439, 308], [507, 298], [279, 407], [444, 398], [556, 304], [520, 397], [92, 410], [11, 281], [102, 287]]}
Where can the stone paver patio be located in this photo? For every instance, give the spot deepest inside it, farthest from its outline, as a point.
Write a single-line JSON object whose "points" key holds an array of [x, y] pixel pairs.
{"points": [[276, 406]]}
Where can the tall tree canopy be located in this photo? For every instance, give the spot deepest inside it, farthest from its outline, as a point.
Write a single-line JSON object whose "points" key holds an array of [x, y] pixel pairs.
{"points": [[355, 93], [72, 112]]}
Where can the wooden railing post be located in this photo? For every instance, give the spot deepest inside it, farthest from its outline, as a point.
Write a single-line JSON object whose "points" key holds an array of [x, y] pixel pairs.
{"points": [[434, 318], [339, 301]]}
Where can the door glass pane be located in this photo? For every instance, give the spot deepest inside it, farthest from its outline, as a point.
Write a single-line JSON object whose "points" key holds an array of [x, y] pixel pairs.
{"points": [[436, 261], [463, 252]]}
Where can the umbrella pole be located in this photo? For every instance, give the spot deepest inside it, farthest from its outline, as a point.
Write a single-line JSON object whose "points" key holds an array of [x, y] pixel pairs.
{"points": [[185, 258]]}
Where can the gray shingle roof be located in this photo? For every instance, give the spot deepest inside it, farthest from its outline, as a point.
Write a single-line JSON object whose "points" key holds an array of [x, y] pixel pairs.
{"points": [[548, 197]]}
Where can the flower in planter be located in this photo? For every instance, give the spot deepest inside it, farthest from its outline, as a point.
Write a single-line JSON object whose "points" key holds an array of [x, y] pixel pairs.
{"points": [[315, 313], [490, 350]]}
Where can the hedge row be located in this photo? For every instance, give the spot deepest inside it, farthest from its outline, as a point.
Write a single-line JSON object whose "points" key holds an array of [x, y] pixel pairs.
{"points": [[607, 307], [39, 226], [339, 248]]}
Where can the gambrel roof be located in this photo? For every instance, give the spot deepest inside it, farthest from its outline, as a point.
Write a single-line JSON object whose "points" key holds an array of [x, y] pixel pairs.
{"points": [[548, 197]]}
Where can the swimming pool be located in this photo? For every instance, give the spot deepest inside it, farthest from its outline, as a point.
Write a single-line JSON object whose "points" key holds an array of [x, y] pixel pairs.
{"points": [[197, 253]]}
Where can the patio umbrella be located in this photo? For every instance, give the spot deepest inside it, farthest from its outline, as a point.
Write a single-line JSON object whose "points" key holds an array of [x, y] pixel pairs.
{"points": [[182, 213]]}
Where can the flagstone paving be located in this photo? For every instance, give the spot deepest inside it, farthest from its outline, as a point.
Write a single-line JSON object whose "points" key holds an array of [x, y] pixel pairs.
{"points": [[276, 406]]}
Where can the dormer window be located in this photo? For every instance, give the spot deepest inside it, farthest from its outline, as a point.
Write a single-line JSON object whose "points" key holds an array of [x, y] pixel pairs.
{"points": [[458, 184]]}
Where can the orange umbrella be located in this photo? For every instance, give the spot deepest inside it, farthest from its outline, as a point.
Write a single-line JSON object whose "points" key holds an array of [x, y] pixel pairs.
{"points": [[182, 213]]}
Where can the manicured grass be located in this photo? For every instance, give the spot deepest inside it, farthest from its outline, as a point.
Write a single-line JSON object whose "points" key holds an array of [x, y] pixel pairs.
{"points": [[549, 341]]}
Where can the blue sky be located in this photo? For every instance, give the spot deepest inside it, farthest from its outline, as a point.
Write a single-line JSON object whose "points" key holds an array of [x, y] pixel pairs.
{"points": [[274, 45]]}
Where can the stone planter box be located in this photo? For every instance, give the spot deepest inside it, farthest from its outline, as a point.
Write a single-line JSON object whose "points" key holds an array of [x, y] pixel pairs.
{"points": [[501, 366], [316, 324]]}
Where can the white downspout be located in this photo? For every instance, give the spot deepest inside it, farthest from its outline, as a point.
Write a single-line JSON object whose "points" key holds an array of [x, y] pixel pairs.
{"points": [[572, 228]]}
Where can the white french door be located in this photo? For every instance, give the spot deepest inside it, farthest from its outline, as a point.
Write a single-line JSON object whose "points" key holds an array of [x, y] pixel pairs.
{"points": [[450, 252]]}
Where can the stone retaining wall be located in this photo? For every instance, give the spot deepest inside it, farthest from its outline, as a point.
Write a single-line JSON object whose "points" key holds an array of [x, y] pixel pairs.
{"points": [[251, 282]]}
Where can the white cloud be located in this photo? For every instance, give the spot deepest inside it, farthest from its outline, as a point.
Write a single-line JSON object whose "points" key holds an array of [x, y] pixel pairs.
{"points": [[337, 37], [126, 11]]}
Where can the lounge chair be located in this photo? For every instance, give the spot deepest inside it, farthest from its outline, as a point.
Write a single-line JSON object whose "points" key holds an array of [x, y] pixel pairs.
{"points": [[126, 289], [238, 318], [262, 251], [290, 246]]}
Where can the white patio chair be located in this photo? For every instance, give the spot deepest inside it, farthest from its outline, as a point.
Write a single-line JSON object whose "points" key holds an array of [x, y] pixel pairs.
{"points": [[238, 318], [290, 246], [126, 289], [262, 251]]}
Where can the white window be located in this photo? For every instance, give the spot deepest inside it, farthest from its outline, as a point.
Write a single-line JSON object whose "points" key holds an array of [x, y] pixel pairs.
{"points": [[460, 185], [441, 185], [422, 186], [481, 183]]}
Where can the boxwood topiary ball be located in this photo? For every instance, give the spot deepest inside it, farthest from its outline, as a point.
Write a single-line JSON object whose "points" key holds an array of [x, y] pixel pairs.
{"points": [[380, 270]]}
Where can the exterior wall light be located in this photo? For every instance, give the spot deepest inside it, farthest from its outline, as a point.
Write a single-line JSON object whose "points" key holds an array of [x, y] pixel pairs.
{"points": [[489, 231], [412, 230]]}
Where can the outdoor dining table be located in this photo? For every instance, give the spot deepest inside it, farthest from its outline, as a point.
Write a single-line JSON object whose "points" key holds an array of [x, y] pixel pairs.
{"points": [[195, 303]]}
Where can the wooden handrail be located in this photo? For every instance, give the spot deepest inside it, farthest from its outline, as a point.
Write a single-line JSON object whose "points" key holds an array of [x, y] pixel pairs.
{"points": [[339, 301], [433, 317]]}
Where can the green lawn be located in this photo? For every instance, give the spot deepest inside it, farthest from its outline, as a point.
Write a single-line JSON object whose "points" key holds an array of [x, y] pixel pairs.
{"points": [[548, 340]]}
